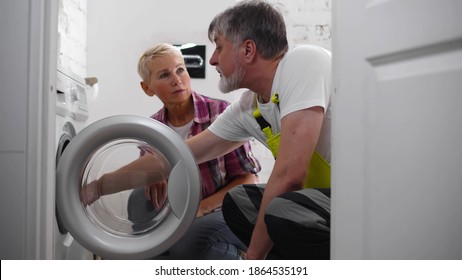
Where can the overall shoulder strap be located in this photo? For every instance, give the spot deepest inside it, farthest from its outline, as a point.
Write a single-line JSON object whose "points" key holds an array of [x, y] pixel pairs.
{"points": [[318, 175]]}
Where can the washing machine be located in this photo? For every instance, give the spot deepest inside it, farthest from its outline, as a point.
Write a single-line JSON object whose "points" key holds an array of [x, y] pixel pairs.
{"points": [[71, 118], [107, 228]]}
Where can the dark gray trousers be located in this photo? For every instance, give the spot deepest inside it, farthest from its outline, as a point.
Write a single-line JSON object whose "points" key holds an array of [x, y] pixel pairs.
{"points": [[298, 222]]}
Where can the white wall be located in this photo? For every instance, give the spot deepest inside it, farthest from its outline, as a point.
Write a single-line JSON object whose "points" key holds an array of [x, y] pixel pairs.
{"points": [[119, 32]]}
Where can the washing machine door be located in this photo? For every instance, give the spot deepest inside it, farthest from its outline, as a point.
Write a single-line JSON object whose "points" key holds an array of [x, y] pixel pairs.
{"points": [[124, 224]]}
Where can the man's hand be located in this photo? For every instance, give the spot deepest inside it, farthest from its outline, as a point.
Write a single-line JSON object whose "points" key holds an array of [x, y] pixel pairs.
{"points": [[90, 193], [157, 194]]}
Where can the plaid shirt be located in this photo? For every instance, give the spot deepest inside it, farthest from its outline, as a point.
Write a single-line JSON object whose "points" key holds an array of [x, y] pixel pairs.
{"points": [[218, 172]]}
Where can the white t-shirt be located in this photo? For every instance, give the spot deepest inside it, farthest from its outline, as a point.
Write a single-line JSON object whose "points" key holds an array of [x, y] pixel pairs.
{"points": [[302, 80], [183, 131]]}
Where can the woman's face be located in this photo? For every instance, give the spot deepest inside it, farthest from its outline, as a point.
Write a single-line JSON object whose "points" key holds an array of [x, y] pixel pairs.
{"points": [[169, 80]]}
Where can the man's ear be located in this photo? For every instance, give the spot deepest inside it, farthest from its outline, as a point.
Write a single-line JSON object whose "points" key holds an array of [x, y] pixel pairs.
{"points": [[250, 50], [146, 89]]}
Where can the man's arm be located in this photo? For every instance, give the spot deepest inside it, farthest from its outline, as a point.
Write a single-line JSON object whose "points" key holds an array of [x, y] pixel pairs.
{"points": [[146, 170], [151, 169], [206, 146], [299, 134]]}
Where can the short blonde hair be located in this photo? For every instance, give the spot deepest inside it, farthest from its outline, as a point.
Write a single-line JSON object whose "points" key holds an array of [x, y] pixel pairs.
{"points": [[158, 50]]}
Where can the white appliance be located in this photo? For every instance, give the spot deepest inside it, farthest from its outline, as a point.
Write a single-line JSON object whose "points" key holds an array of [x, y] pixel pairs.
{"points": [[71, 118], [104, 227], [108, 227]]}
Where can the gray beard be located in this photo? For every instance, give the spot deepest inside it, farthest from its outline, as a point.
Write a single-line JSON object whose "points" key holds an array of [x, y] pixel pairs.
{"points": [[228, 84]]}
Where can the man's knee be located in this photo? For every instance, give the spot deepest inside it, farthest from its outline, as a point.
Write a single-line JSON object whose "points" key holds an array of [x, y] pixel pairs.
{"points": [[298, 227]]}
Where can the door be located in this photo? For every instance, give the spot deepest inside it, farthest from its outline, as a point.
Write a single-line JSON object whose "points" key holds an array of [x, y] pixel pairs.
{"points": [[397, 129], [124, 225]]}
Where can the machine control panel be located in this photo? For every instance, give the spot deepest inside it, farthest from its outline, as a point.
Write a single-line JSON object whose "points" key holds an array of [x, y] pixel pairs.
{"points": [[71, 98]]}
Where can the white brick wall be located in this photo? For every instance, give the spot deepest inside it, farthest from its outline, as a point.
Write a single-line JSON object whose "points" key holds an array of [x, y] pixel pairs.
{"points": [[72, 35], [308, 21]]}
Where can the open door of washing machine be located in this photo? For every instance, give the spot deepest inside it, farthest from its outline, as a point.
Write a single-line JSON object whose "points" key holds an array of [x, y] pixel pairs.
{"points": [[124, 225]]}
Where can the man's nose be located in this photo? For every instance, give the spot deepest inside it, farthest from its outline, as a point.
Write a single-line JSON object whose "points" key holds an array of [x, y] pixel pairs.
{"points": [[213, 59]]}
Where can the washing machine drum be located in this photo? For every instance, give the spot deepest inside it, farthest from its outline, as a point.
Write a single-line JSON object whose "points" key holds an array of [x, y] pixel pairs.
{"points": [[125, 224]]}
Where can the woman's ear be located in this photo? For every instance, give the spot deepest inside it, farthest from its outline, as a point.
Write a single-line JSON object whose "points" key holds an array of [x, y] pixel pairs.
{"points": [[146, 89]]}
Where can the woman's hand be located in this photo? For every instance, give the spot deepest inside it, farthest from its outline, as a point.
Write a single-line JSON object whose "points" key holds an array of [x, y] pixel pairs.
{"points": [[205, 208]]}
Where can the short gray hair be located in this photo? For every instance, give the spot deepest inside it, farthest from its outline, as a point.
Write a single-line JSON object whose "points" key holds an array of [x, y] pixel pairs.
{"points": [[256, 20]]}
